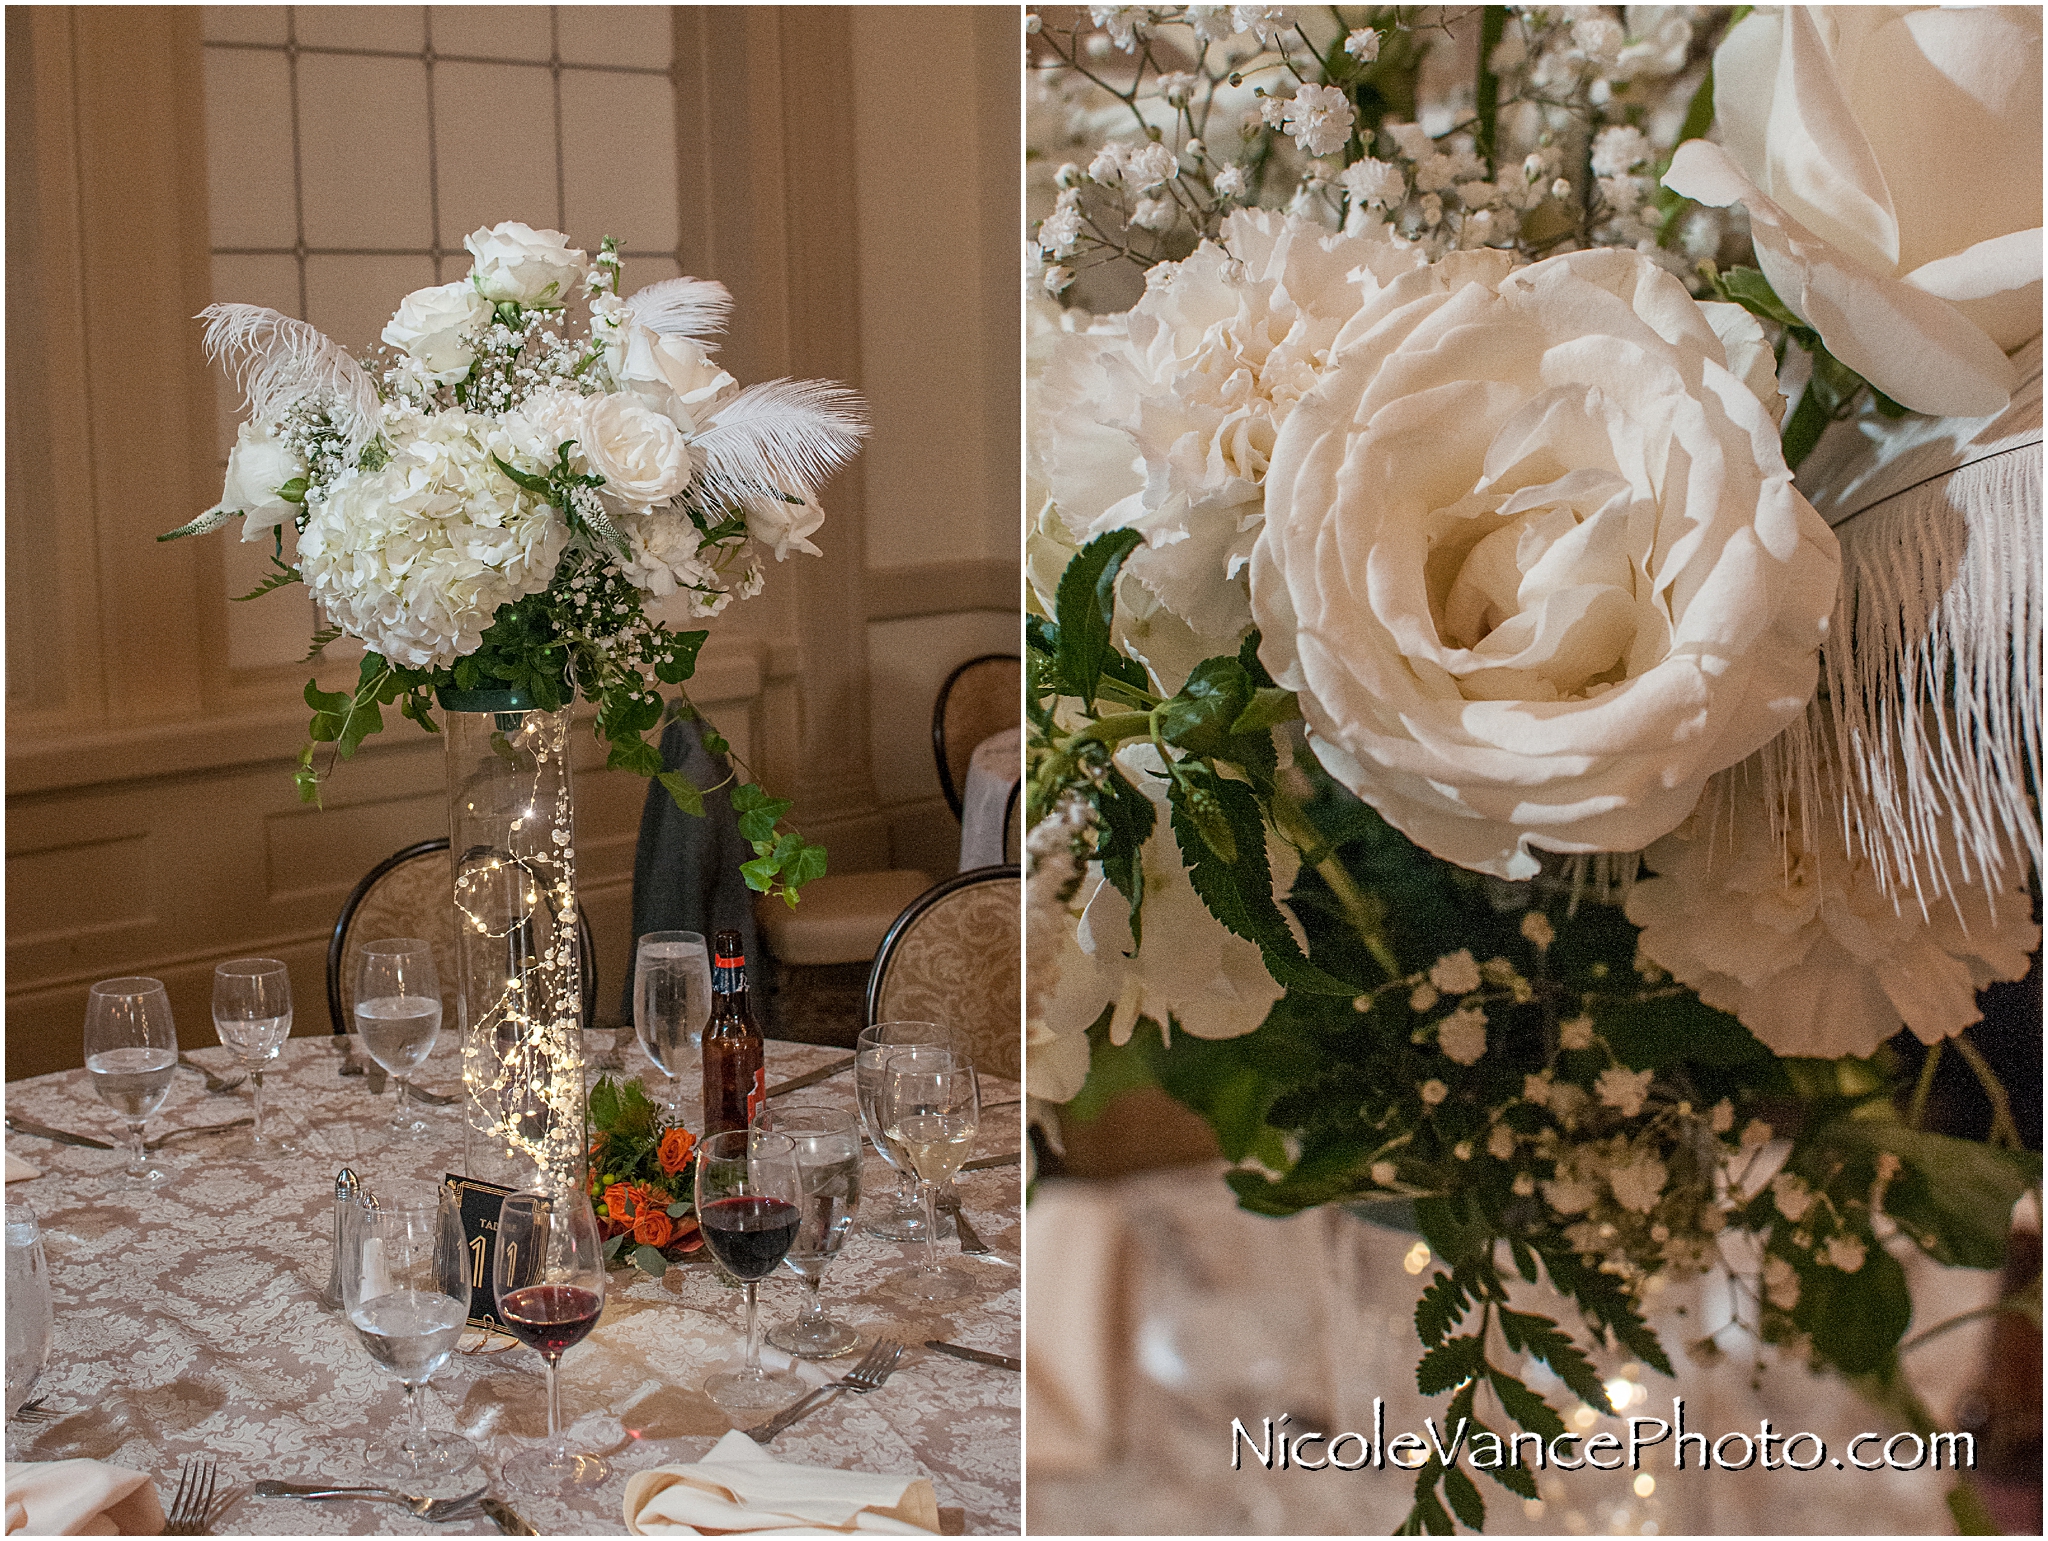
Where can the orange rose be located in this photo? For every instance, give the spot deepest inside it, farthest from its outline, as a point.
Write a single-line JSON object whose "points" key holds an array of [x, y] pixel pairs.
{"points": [[652, 1229], [676, 1146], [618, 1202]]}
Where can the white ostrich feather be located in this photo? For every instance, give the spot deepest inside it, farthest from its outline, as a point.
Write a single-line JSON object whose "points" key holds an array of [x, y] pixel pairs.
{"points": [[683, 307], [786, 434], [279, 362]]}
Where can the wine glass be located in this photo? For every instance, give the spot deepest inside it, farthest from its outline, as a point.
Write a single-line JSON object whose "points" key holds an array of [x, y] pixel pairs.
{"points": [[548, 1276], [252, 1013], [131, 1048], [748, 1193], [405, 1288], [901, 1218], [671, 1004], [398, 1015], [930, 1109], [29, 1318], [828, 1160]]}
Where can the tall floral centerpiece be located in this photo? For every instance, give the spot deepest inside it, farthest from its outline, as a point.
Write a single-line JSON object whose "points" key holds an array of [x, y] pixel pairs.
{"points": [[1514, 738], [501, 506]]}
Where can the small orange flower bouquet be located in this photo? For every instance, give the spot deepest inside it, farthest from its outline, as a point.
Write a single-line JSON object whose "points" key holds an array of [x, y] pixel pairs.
{"points": [[640, 1178]]}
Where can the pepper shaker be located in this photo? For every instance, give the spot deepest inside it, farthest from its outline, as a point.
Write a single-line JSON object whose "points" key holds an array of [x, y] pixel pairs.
{"points": [[346, 1187]]}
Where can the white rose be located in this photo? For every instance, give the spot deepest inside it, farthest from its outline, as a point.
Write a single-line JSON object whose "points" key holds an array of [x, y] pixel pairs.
{"points": [[527, 266], [1533, 559], [1801, 940], [638, 451], [434, 326], [675, 374], [1890, 159], [257, 466]]}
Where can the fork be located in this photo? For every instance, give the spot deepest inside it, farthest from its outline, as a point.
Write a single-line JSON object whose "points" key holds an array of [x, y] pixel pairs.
{"points": [[214, 1083], [970, 1241], [433, 1510], [868, 1375], [194, 1500], [36, 1413]]}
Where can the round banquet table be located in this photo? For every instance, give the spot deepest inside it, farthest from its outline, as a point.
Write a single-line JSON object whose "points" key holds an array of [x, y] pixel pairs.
{"points": [[188, 1321]]}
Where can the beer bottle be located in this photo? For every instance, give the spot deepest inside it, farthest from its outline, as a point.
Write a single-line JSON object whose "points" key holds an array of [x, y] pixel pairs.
{"points": [[734, 1080]]}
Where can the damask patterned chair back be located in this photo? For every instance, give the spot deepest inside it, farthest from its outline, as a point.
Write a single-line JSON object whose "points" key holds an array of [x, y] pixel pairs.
{"points": [[955, 956], [411, 893]]}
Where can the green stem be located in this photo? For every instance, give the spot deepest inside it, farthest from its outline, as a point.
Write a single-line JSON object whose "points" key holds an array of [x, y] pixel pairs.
{"points": [[1486, 89], [1359, 911], [1924, 1085], [2003, 1130]]}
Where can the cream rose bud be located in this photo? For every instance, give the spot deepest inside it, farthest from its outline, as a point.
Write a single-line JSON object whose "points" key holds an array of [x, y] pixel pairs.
{"points": [[785, 527], [1533, 559], [674, 373], [637, 450], [434, 327], [519, 263], [1890, 160], [257, 466]]}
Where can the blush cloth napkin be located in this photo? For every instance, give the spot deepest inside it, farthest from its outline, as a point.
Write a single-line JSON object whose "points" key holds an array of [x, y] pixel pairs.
{"points": [[738, 1486], [80, 1498], [19, 1170]]}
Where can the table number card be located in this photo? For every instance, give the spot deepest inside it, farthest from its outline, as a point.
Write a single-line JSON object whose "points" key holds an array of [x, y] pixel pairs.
{"points": [[480, 1202]]}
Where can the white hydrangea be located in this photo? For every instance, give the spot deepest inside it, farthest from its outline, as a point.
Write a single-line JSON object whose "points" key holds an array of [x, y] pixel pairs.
{"points": [[416, 558]]}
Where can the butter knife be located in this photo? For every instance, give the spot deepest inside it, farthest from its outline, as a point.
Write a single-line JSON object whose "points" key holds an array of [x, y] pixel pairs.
{"points": [[506, 1518], [812, 1078], [984, 1163], [1000, 1361], [61, 1136]]}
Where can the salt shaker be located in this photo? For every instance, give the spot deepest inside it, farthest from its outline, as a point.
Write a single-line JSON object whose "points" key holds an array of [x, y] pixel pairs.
{"points": [[346, 1187]]}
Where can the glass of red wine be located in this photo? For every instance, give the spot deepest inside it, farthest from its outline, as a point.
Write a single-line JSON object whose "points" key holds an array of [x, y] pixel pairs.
{"points": [[749, 1204], [548, 1279]]}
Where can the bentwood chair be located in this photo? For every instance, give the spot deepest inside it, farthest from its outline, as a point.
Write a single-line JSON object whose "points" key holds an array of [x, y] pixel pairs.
{"points": [[410, 893], [955, 956], [982, 696]]}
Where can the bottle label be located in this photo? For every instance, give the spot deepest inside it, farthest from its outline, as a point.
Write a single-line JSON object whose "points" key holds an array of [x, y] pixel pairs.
{"points": [[757, 1094], [728, 974]]}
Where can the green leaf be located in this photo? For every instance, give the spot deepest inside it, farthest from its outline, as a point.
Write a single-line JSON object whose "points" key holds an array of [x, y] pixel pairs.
{"points": [[1450, 1362], [684, 792], [1525, 1406], [1085, 605], [1127, 816], [650, 1261], [1855, 1319], [1198, 720], [678, 660], [1540, 1337], [293, 491], [1442, 1306], [759, 874], [284, 577], [1954, 1197], [1465, 1500], [1238, 888], [635, 754], [1749, 288], [759, 823], [677, 1211], [611, 1248], [807, 865], [537, 485], [1270, 707], [604, 1102], [747, 796]]}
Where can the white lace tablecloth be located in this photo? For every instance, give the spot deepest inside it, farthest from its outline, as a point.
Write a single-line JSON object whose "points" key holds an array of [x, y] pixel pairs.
{"points": [[189, 1322]]}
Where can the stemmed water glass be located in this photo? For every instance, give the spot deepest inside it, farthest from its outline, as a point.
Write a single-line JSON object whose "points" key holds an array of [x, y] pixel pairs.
{"points": [[131, 1048], [748, 1192], [930, 1110], [28, 1308], [405, 1287], [548, 1277], [828, 1161], [671, 1004], [252, 1013], [398, 1016], [900, 1218]]}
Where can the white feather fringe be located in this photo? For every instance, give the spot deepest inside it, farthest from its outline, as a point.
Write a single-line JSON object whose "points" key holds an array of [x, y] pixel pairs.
{"points": [[786, 434], [279, 362], [683, 307]]}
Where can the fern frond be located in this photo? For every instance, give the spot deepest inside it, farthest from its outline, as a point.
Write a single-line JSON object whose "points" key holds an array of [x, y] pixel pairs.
{"points": [[279, 362], [785, 434], [683, 307]]}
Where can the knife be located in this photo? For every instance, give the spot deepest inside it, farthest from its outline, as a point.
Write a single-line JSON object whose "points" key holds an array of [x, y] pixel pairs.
{"points": [[983, 1163], [172, 1134], [812, 1078], [62, 1137], [1000, 1361], [506, 1518]]}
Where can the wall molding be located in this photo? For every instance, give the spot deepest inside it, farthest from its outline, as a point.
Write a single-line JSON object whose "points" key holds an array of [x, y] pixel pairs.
{"points": [[942, 588]]}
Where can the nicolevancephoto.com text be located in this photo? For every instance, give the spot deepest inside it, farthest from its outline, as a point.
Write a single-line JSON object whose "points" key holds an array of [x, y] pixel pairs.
{"points": [[1275, 1447]]}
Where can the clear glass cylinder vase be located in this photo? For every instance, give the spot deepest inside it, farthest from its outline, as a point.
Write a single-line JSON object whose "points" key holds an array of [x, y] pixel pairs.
{"points": [[518, 986]]}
